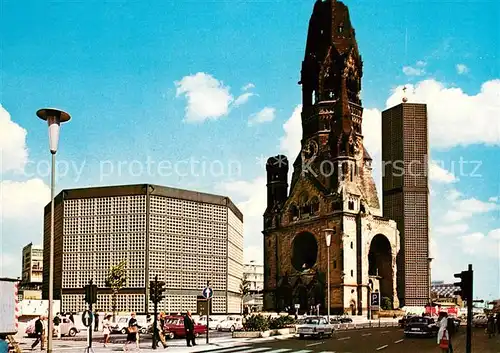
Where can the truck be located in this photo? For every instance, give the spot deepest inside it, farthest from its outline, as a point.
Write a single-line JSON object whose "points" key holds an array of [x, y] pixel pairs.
{"points": [[9, 311]]}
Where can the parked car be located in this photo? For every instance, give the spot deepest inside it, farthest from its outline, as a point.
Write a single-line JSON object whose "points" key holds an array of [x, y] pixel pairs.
{"points": [[344, 319], [122, 324], [212, 323], [316, 326], [480, 320], [402, 322], [456, 321], [67, 328], [421, 326], [230, 324], [174, 327]]}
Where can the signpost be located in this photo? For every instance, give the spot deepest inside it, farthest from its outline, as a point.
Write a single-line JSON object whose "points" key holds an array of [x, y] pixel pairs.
{"points": [[88, 316], [375, 301], [208, 293]]}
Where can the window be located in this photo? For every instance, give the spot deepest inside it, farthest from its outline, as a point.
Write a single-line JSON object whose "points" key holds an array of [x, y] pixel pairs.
{"points": [[352, 273], [352, 245], [350, 205], [334, 264]]}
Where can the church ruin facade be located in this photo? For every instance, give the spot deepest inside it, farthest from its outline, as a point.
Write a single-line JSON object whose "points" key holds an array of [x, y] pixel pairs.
{"points": [[331, 188]]}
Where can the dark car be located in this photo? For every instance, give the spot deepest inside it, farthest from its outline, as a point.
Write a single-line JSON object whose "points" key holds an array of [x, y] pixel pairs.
{"points": [[421, 326], [457, 322], [402, 322], [174, 327]]}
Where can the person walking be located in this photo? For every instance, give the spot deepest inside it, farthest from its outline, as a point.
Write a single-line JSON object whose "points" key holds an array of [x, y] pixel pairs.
{"points": [[133, 329], [450, 328], [39, 332], [160, 336], [57, 325], [96, 322], [189, 328], [443, 338], [106, 329]]}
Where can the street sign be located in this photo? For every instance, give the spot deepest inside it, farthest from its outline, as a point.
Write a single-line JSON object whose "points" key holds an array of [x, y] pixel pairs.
{"points": [[87, 318], [375, 301], [208, 293]]}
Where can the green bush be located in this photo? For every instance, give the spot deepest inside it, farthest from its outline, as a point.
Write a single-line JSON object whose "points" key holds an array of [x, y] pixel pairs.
{"points": [[256, 323], [282, 322], [386, 303]]}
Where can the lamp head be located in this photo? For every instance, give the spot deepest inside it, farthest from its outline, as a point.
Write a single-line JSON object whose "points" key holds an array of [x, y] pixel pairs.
{"points": [[54, 117], [328, 236]]}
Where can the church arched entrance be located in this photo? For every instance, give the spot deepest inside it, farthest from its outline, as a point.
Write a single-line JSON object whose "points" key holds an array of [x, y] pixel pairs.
{"points": [[380, 264]]}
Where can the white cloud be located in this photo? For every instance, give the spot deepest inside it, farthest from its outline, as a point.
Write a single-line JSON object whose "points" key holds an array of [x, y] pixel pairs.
{"points": [[462, 209], [207, 97], [417, 70], [242, 99], [290, 142], [452, 229], [13, 150], [482, 245], [440, 175], [462, 69], [450, 110], [254, 253], [264, 116], [493, 199], [23, 199], [247, 87]]}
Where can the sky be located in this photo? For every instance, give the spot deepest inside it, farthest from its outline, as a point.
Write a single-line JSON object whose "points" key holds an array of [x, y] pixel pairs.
{"points": [[197, 94]]}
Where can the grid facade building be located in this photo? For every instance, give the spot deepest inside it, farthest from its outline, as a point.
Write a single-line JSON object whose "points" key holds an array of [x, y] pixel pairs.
{"points": [[32, 265], [405, 154], [185, 238]]}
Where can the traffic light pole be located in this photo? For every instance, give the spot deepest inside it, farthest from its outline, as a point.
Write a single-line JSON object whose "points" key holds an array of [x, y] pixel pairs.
{"points": [[155, 323], [209, 300], [468, 342]]}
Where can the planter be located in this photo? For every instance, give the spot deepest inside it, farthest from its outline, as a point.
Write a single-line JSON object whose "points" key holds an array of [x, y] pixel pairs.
{"points": [[283, 331], [251, 334]]}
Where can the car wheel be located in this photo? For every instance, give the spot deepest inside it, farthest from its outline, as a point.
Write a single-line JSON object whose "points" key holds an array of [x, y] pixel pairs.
{"points": [[197, 334], [123, 331], [171, 335], [72, 332], [143, 330], [232, 329]]}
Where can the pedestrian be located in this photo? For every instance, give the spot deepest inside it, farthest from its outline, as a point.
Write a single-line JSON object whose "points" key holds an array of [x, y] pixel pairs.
{"points": [[39, 332], [490, 328], [71, 317], [443, 337], [96, 322], [106, 329], [57, 325], [189, 328], [498, 322], [160, 336], [450, 327], [4, 345], [133, 329]]}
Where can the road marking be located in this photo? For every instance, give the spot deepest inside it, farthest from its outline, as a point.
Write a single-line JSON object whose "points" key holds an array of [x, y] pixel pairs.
{"points": [[314, 344], [303, 351], [366, 334], [234, 349], [344, 338], [258, 350], [279, 350], [382, 347], [385, 331], [399, 341]]}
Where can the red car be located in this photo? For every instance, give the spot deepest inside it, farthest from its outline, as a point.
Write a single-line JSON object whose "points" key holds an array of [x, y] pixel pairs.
{"points": [[174, 327]]}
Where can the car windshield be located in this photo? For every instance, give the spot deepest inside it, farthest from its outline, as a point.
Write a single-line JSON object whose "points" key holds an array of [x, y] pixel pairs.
{"points": [[312, 321], [421, 320]]}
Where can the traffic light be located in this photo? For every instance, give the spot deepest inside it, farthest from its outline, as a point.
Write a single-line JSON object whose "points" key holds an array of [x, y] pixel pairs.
{"points": [[156, 290], [465, 285], [90, 293]]}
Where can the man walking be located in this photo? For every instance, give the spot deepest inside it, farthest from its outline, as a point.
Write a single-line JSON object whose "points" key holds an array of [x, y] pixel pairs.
{"points": [[96, 322], [189, 327], [39, 334], [57, 325]]}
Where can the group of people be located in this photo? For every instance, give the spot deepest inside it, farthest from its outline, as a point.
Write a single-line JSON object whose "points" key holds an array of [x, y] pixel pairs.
{"points": [[133, 331]]}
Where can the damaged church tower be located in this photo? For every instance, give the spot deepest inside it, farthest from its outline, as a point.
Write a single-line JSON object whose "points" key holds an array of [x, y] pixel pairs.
{"points": [[332, 188]]}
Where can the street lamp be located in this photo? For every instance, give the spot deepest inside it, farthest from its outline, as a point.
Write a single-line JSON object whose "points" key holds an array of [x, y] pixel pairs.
{"points": [[54, 118], [328, 238]]}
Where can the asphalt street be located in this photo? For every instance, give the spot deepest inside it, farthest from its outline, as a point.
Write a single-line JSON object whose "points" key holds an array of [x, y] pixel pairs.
{"points": [[386, 340]]}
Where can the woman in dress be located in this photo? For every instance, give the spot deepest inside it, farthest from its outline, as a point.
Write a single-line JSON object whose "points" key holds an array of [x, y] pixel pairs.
{"points": [[443, 332], [133, 329], [106, 329]]}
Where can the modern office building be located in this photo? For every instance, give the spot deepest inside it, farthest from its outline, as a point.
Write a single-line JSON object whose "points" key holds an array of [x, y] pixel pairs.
{"points": [[254, 274], [32, 266], [405, 153], [185, 238]]}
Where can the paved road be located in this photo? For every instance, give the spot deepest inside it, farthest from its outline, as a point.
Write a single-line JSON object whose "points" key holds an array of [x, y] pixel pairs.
{"points": [[386, 340]]}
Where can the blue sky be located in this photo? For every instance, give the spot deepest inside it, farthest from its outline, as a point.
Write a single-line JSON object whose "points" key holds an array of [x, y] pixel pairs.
{"points": [[127, 70]]}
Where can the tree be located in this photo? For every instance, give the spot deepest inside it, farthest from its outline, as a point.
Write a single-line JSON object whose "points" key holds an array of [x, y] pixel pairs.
{"points": [[386, 303], [116, 280], [244, 290]]}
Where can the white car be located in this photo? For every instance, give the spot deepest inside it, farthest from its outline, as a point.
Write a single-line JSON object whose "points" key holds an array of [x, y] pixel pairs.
{"points": [[317, 326], [121, 325], [212, 323], [230, 324]]}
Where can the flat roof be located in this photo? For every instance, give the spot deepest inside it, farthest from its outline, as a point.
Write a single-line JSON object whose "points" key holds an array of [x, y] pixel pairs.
{"points": [[142, 189]]}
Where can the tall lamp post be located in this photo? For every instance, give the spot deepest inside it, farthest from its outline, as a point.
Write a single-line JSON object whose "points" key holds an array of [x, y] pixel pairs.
{"points": [[328, 238], [54, 118]]}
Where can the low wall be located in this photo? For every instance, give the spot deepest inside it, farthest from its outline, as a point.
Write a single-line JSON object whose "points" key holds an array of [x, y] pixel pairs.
{"points": [[391, 313]]}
